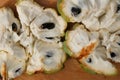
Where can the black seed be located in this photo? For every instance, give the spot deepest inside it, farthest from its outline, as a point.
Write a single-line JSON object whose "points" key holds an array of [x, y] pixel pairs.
{"points": [[118, 8], [49, 37], [89, 60], [49, 54], [18, 70], [62, 39], [112, 54], [118, 43], [14, 27], [75, 11], [1, 77], [48, 25]]}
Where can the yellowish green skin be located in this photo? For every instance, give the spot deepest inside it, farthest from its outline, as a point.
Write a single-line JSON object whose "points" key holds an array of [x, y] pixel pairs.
{"points": [[48, 72], [69, 52], [82, 66], [87, 69], [93, 72], [59, 7], [54, 71], [65, 48]]}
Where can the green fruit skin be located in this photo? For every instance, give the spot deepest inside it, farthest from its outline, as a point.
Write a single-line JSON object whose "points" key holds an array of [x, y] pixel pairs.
{"points": [[54, 71], [59, 8], [67, 51], [86, 69]]}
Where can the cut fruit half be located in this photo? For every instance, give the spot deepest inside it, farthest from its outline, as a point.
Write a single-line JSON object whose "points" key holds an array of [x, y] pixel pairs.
{"points": [[97, 61], [73, 10], [48, 26], [46, 58], [79, 39], [86, 47]]}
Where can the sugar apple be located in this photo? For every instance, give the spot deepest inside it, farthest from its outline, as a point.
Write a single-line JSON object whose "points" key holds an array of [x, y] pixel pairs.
{"points": [[73, 10], [10, 26], [48, 26], [97, 61], [94, 14], [47, 57], [79, 38], [85, 47], [15, 60]]}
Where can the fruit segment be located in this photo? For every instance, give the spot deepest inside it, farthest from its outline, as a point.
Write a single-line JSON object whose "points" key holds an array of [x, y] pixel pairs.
{"points": [[85, 46], [46, 58]]}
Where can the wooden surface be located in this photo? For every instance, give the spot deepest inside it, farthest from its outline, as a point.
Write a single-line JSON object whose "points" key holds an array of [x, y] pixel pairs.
{"points": [[72, 70]]}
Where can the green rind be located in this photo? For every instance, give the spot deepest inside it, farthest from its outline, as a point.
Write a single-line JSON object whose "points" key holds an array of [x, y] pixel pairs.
{"points": [[67, 51], [54, 71], [87, 69], [59, 3]]}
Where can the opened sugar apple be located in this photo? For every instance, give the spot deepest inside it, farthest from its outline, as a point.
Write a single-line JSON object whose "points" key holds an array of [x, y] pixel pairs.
{"points": [[97, 61], [45, 24], [73, 10], [84, 46], [15, 60], [78, 39], [48, 26], [9, 26], [12, 55], [94, 14], [47, 57]]}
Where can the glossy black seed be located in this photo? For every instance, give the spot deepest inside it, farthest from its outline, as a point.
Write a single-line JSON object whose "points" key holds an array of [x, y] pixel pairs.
{"points": [[112, 54], [89, 60], [14, 26], [49, 37], [49, 54], [62, 39], [18, 70], [118, 43], [48, 25], [118, 8], [75, 11]]}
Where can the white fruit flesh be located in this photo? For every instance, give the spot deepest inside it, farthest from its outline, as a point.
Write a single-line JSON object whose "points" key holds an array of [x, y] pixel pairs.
{"points": [[57, 30], [95, 14], [10, 26], [28, 10], [66, 7], [98, 62], [112, 43], [7, 18], [15, 65], [46, 58], [111, 20], [80, 38]]}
